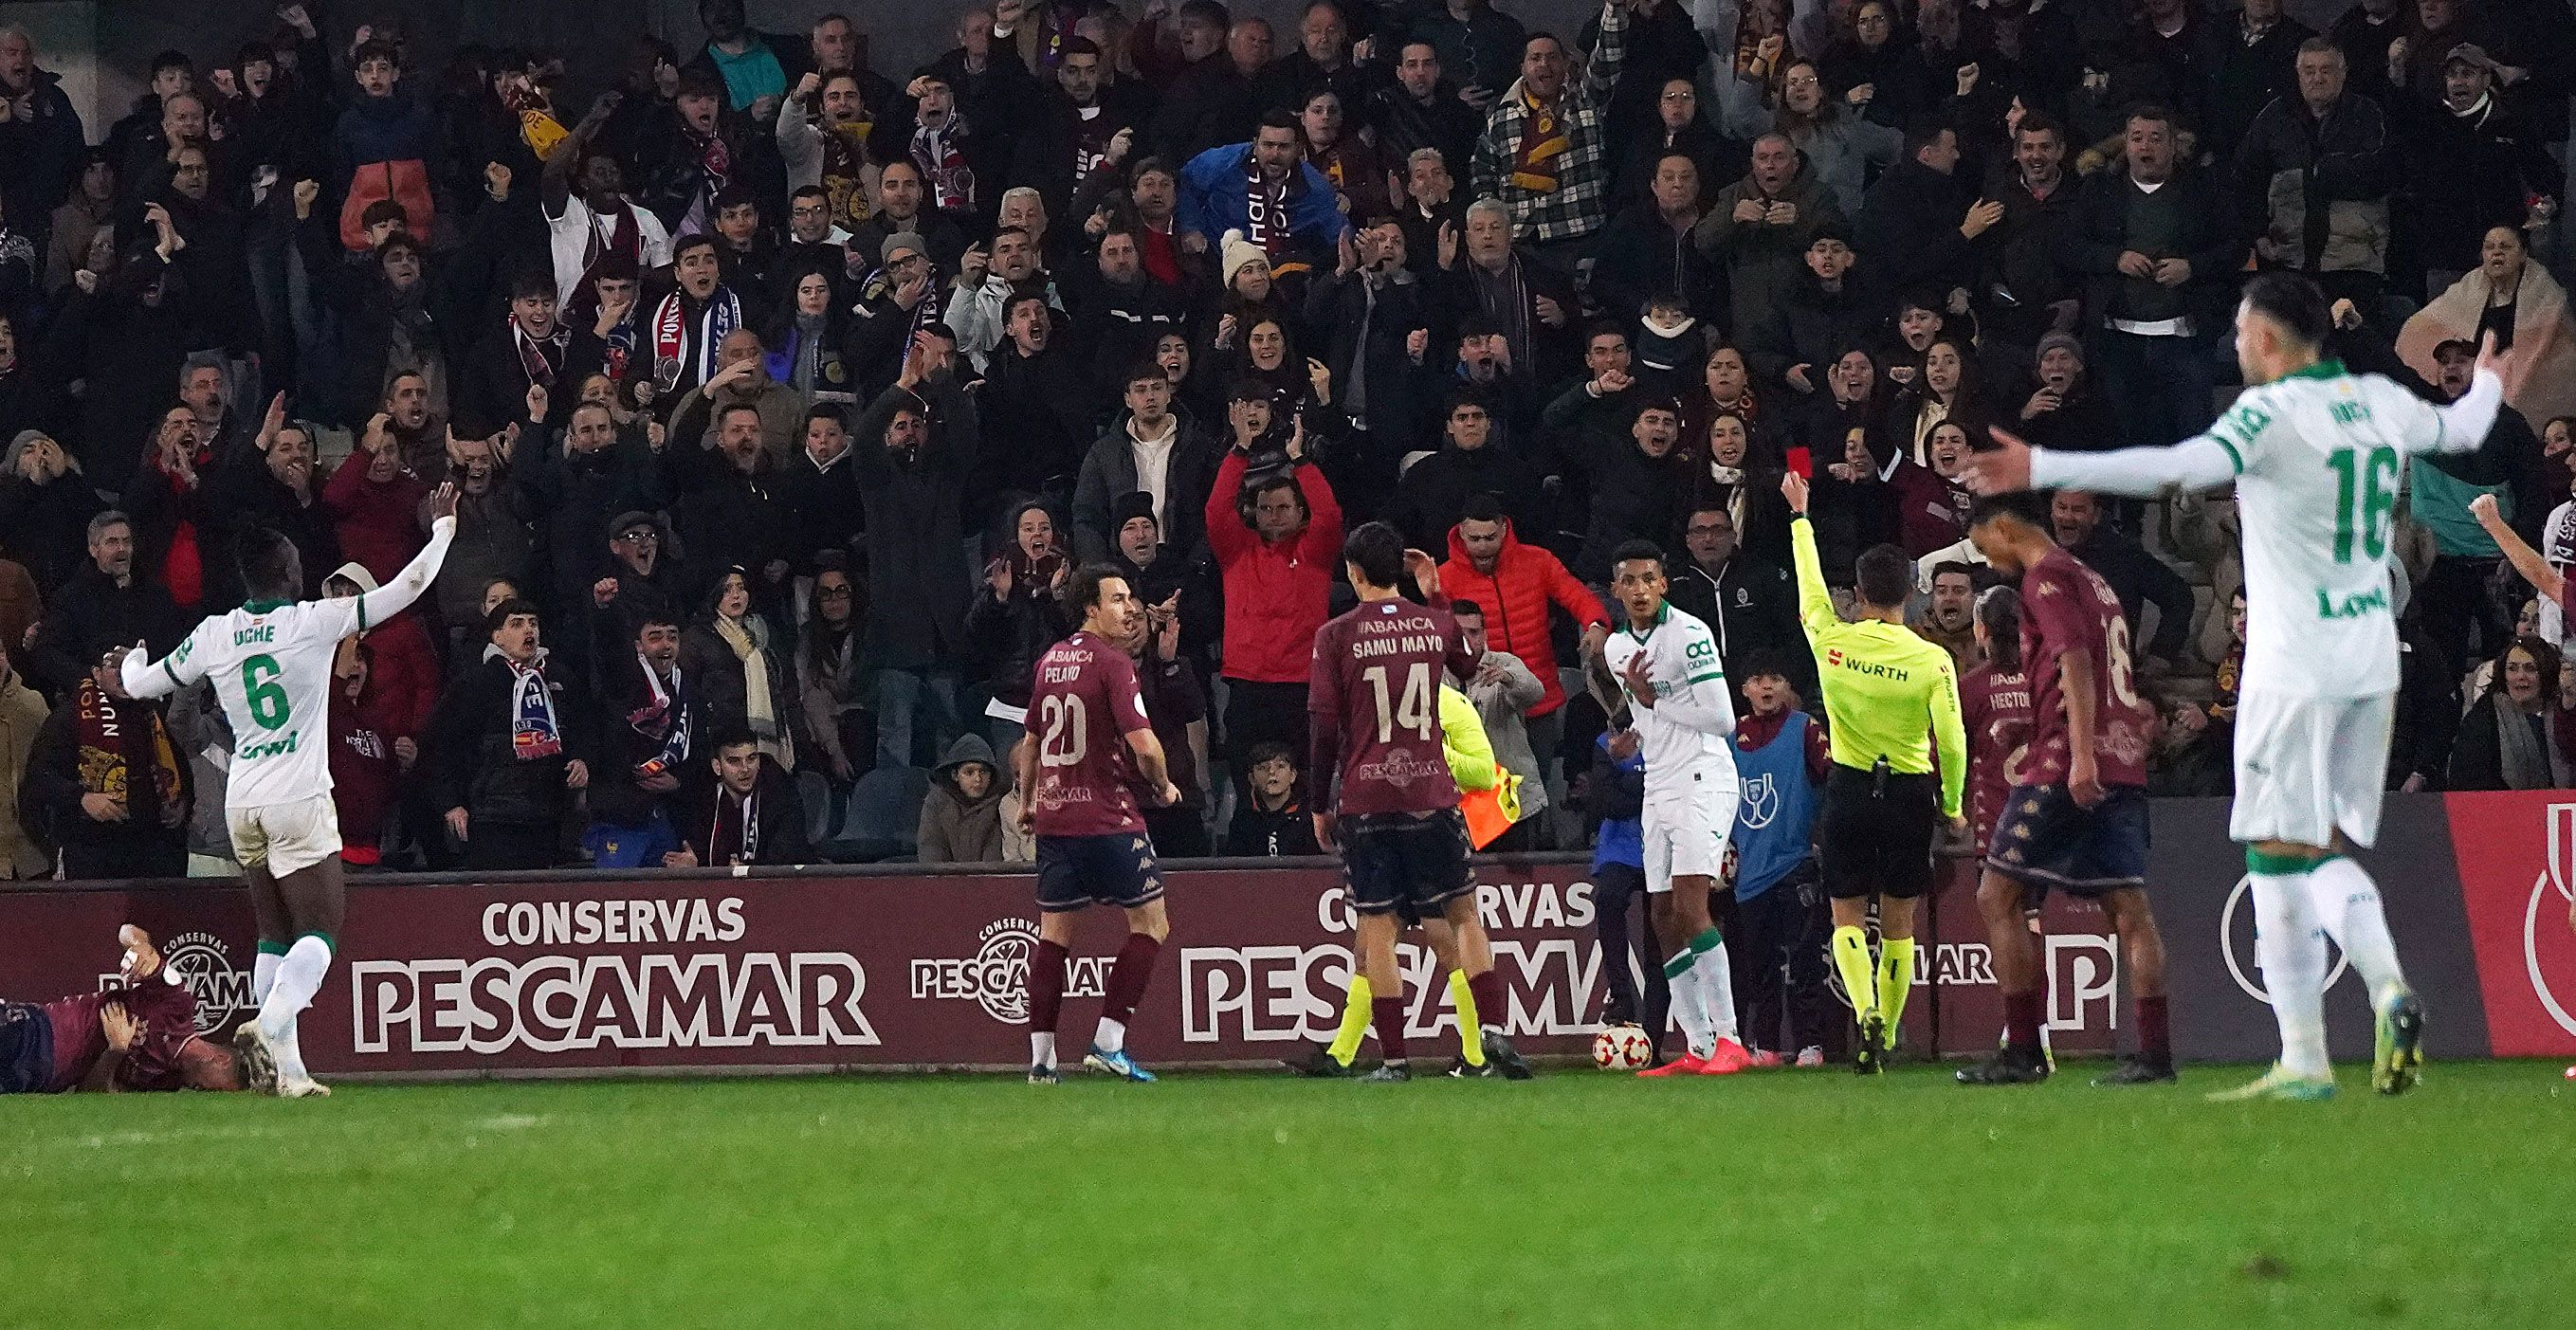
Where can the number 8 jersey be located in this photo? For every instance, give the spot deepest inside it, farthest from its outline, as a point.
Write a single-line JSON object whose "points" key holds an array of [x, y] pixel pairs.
{"points": [[270, 664]]}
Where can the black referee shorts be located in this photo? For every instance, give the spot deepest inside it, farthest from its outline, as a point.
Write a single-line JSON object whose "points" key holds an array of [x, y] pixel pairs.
{"points": [[1876, 834]]}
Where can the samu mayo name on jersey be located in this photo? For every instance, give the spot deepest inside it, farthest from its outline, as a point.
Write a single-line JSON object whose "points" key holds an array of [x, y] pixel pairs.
{"points": [[271, 668], [1681, 656], [2319, 456]]}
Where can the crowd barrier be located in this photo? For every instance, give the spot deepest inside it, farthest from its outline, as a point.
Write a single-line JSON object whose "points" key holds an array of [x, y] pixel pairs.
{"points": [[841, 968]]}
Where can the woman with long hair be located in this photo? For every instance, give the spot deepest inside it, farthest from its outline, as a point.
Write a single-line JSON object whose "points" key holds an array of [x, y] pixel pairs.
{"points": [[1994, 702], [805, 335], [740, 669], [1843, 149], [2514, 737], [1354, 165], [1016, 616], [1944, 391], [1872, 68], [1735, 471], [834, 687]]}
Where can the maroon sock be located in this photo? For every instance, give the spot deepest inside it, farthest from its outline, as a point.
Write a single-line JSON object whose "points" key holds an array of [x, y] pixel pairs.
{"points": [[1127, 977], [1046, 987], [1487, 989], [2021, 1021], [2155, 1035], [1387, 1014]]}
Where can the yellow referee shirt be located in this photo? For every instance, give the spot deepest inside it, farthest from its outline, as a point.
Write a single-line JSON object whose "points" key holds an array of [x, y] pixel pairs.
{"points": [[1888, 693]]}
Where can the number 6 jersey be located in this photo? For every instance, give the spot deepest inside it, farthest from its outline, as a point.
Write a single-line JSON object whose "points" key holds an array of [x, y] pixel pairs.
{"points": [[270, 664], [1373, 708], [1083, 703]]}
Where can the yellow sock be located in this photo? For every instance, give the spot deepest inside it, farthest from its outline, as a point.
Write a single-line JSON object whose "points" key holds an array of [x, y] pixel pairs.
{"points": [[1851, 961], [1355, 1021], [1895, 980], [1471, 1037]]}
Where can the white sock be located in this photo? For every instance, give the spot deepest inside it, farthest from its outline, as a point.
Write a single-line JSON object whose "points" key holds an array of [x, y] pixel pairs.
{"points": [[263, 976], [1111, 1037], [290, 1057], [2292, 950], [2348, 908], [299, 977], [1716, 991], [1688, 1007], [1042, 1048]]}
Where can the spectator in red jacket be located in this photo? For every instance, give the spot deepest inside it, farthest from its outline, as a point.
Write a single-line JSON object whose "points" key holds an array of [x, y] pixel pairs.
{"points": [[1277, 538], [403, 666], [1515, 583], [371, 499]]}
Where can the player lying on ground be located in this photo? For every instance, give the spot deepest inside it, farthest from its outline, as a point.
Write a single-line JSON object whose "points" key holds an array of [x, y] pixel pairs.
{"points": [[1089, 746], [2076, 821], [270, 662], [1373, 715], [1891, 707], [1667, 666], [139, 1033], [1475, 990], [2318, 457]]}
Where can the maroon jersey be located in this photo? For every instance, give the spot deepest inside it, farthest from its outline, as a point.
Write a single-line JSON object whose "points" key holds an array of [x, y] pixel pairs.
{"points": [[165, 1016], [1373, 708], [1083, 703], [1996, 707], [2068, 607]]}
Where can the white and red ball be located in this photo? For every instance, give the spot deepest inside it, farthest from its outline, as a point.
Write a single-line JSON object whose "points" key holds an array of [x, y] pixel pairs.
{"points": [[1622, 1048]]}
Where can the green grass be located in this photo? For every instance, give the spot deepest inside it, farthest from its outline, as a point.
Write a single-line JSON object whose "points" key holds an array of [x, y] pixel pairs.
{"points": [[1785, 1199]]}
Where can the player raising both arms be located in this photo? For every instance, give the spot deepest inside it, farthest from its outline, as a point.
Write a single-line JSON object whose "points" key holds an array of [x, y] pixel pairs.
{"points": [[2076, 820], [1666, 662], [1088, 747], [270, 662], [2317, 456], [1373, 712]]}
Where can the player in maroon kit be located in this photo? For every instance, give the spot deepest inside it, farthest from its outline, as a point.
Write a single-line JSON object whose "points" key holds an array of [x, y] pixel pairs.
{"points": [[2076, 821], [1088, 749], [1373, 712], [1994, 703], [139, 1033]]}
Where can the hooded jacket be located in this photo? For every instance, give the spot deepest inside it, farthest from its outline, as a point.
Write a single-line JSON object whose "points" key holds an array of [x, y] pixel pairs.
{"points": [[955, 829], [1515, 597]]}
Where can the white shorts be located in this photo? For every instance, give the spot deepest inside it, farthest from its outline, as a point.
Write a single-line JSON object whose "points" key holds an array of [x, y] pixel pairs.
{"points": [[1686, 831], [2307, 767], [285, 838]]}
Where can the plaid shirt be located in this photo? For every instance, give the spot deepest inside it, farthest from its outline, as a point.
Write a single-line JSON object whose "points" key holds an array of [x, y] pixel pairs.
{"points": [[1580, 203]]}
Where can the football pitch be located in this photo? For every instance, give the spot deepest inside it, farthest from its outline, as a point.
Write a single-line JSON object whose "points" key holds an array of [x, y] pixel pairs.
{"points": [[1799, 1199]]}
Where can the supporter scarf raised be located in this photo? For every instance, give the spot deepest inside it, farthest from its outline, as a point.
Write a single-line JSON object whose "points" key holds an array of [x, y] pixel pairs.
{"points": [[943, 164], [534, 733], [671, 338], [1266, 217], [541, 357], [715, 162], [112, 737], [734, 835], [879, 285], [1543, 146], [663, 717], [845, 160]]}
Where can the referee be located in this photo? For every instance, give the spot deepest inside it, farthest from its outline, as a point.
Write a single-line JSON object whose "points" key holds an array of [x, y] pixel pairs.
{"points": [[1890, 697]]}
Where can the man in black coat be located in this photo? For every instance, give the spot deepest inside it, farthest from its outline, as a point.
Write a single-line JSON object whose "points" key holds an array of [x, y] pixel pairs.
{"points": [[1422, 109], [1750, 604], [820, 489], [507, 746], [1828, 310], [2023, 293], [104, 605], [1919, 224], [748, 814], [2138, 578], [1435, 491], [1145, 437], [1074, 125], [1119, 313], [915, 447], [574, 488], [1366, 319]]}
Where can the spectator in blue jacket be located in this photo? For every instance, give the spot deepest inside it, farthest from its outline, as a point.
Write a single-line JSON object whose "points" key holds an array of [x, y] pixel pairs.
{"points": [[1780, 921], [1280, 203]]}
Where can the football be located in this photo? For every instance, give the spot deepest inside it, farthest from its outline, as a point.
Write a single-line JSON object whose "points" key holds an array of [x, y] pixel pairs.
{"points": [[1622, 1048]]}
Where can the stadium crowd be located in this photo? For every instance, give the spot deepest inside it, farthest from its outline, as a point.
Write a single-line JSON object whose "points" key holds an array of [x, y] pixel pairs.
{"points": [[783, 394]]}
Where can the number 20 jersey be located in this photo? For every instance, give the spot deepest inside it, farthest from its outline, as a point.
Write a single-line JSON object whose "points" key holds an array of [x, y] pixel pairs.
{"points": [[2319, 458], [1083, 702], [271, 669]]}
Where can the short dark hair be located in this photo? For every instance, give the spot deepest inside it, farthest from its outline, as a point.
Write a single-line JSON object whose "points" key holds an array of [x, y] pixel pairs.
{"points": [[2154, 111], [826, 411], [1206, 12], [1377, 551], [692, 241], [1011, 307], [734, 409], [2294, 302], [1600, 328], [736, 196], [509, 609], [1634, 550], [1147, 368], [1078, 45], [809, 192], [1082, 587], [2023, 508], [269, 564], [2040, 122], [1279, 117], [655, 616], [1759, 661], [385, 210], [1960, 566], [1462, 608], [376, 48], [531, 282], [1883, 576], [1152, 166], [168, 60], [1483, 506], [1246, 388], [732, 736], [1269, 750]]}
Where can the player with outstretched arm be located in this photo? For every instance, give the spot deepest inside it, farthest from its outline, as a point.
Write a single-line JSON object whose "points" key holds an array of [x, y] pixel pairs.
{"points": [[2317, 456], [270, 663]]}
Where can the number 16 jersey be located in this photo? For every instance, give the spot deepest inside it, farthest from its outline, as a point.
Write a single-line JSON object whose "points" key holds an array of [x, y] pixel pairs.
{"points": [[1083, 703], [270, 664]]}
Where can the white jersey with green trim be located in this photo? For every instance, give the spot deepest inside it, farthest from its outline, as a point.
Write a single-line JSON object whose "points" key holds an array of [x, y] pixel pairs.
{"points": [[270, 665], [2320, 457], [1676, 736]]}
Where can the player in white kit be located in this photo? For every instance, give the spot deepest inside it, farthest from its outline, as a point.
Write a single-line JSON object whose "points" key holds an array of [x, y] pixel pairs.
{"points": [[270, 662], [2317, 456], [1667, 664]]}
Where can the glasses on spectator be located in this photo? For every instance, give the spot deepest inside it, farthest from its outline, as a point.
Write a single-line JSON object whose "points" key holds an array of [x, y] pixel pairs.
{"points": [[807, 210], [1803, 81], [639, 537], [832, 593], [1678, 95]]}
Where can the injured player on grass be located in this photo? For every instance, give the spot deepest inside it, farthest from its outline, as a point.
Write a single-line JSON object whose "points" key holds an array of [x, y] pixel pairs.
{"points": [[137, 1033]]}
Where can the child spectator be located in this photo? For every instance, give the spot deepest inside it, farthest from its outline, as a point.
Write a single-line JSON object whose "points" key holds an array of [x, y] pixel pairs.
{"points": [[1272, 821], [1780, 920], [961, 817]]}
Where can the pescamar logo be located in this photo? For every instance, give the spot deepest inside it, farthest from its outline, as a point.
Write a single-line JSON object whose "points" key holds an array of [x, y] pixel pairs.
{"points": [[996, 977], [205, 965]]}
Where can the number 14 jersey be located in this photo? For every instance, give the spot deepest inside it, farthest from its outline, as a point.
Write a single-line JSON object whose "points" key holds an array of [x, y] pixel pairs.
{"points": [[1373, 708], [270, 665], [1083, 703]]}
